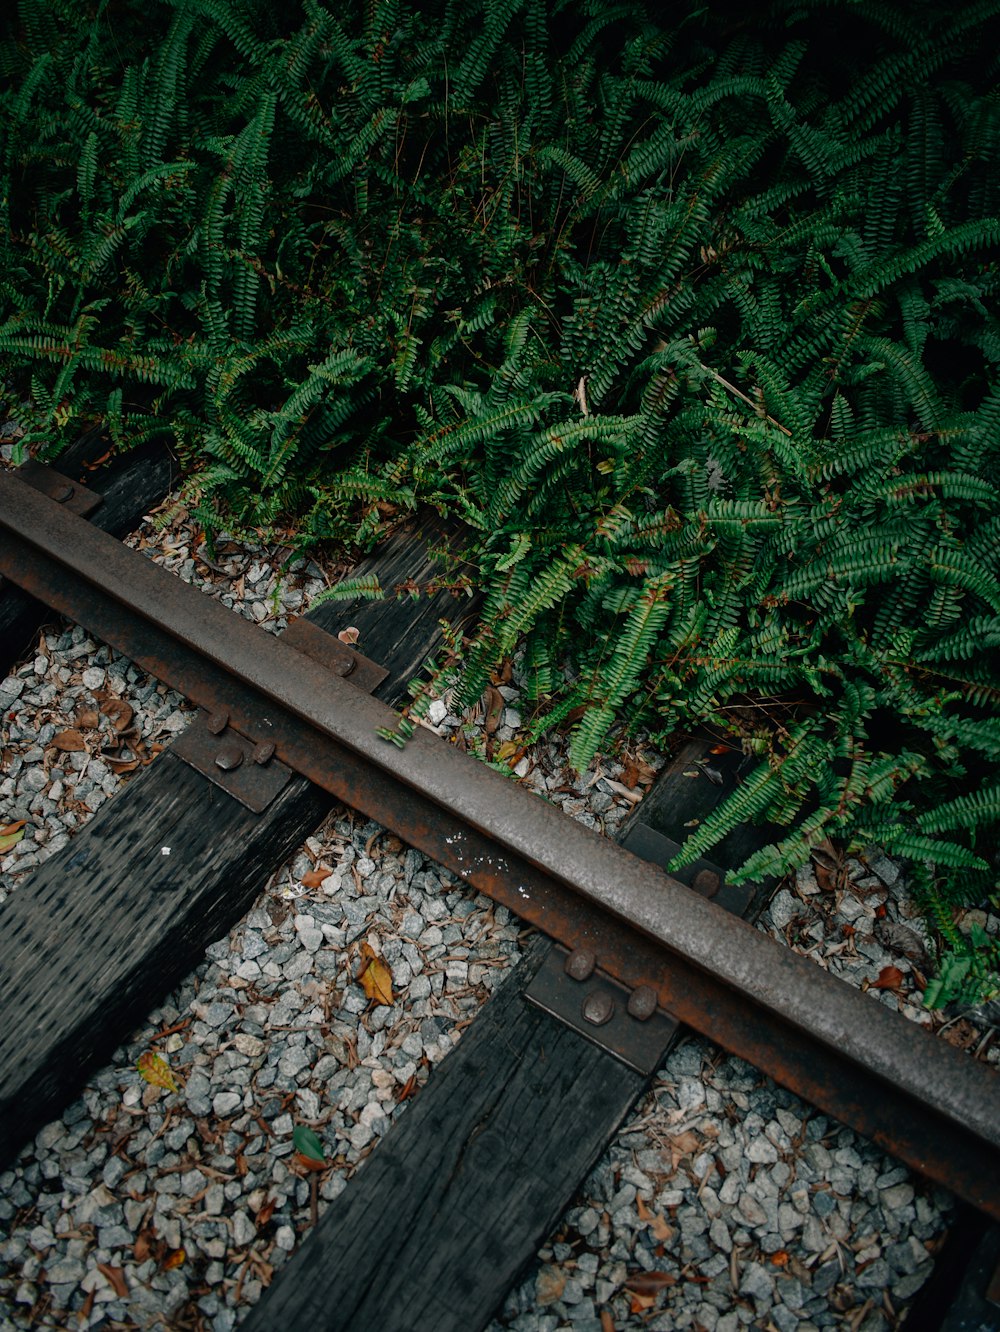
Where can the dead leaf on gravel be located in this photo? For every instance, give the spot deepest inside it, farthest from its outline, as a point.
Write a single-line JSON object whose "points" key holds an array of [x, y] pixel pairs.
{"points": [[637, 772], [375, 976], [142, 1245], [118, 712], [175, 1258], [495, 704], [607, 1321], [156, 1071], [901, 939], [549, 1285], [116, 1278], [889, 978], [69, 742], [88, 719], [349, 635], [961, 1034], [120, 764], [315, 877], [683, 1144], [650, 1283]]}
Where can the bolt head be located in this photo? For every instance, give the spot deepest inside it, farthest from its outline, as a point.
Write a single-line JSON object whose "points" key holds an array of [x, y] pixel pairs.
{"points": [[598, 1008], [642, 1003], [580, 963], [229, 757]]}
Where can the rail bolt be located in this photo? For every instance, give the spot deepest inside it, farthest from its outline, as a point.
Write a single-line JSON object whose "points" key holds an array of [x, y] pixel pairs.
{"points": [[580, 963], [598, 1009], [642, 1003], [229, 757]]}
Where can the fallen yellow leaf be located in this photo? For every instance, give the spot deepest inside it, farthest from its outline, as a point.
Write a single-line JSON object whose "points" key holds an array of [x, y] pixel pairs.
{"points": [[375, 976], [157, 1072], [175, 1258]]}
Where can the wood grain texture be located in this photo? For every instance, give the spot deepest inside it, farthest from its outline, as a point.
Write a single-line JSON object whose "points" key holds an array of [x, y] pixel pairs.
{"points": [[130, 484], [102, 931], [443, 1215]]}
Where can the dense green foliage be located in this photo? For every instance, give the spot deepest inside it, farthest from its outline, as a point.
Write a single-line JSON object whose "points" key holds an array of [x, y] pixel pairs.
{"points": [[692, 324]]}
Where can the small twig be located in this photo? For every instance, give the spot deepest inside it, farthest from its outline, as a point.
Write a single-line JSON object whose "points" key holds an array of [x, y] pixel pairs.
{"points": [[740, 394]]}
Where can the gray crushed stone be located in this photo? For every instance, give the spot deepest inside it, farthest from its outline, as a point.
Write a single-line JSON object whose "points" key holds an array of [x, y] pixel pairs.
{"points": [[143, 1203]]}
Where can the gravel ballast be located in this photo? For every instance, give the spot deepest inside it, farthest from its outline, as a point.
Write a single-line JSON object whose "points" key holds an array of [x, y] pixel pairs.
{"points": [[724, 1203]]}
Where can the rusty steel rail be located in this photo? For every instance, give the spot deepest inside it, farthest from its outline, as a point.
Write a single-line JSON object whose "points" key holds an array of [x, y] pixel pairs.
{"points": [[918, 1098]]}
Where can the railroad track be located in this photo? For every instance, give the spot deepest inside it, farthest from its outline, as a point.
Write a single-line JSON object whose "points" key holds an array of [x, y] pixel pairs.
{"points": [[642, 951]]}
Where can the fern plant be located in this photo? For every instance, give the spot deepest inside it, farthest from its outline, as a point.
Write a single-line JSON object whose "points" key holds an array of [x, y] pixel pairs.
{"points": [[691, 323]]}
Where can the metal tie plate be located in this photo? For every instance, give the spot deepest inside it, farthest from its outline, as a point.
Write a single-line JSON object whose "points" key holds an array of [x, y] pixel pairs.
{"points": [[599, 1009], [245, 767]]}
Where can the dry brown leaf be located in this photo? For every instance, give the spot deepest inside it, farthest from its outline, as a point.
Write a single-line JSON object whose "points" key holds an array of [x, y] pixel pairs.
{"points": [[644, 1213], [961, 1034], [549, 1284], [495, 704], [638, 1304], [349, 635], [120, 764], [175, 1258], [69, 742], [375, 976], [683, 1144], [266, 1212], [88, 719], [889, 978], [825, 878], [900, 938], [116, 1278], [660, 1229], [650, 1283], [826, 854], [607, 1321], [780, 1258], [144, 1244], [315, 877], [118, 712]]}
